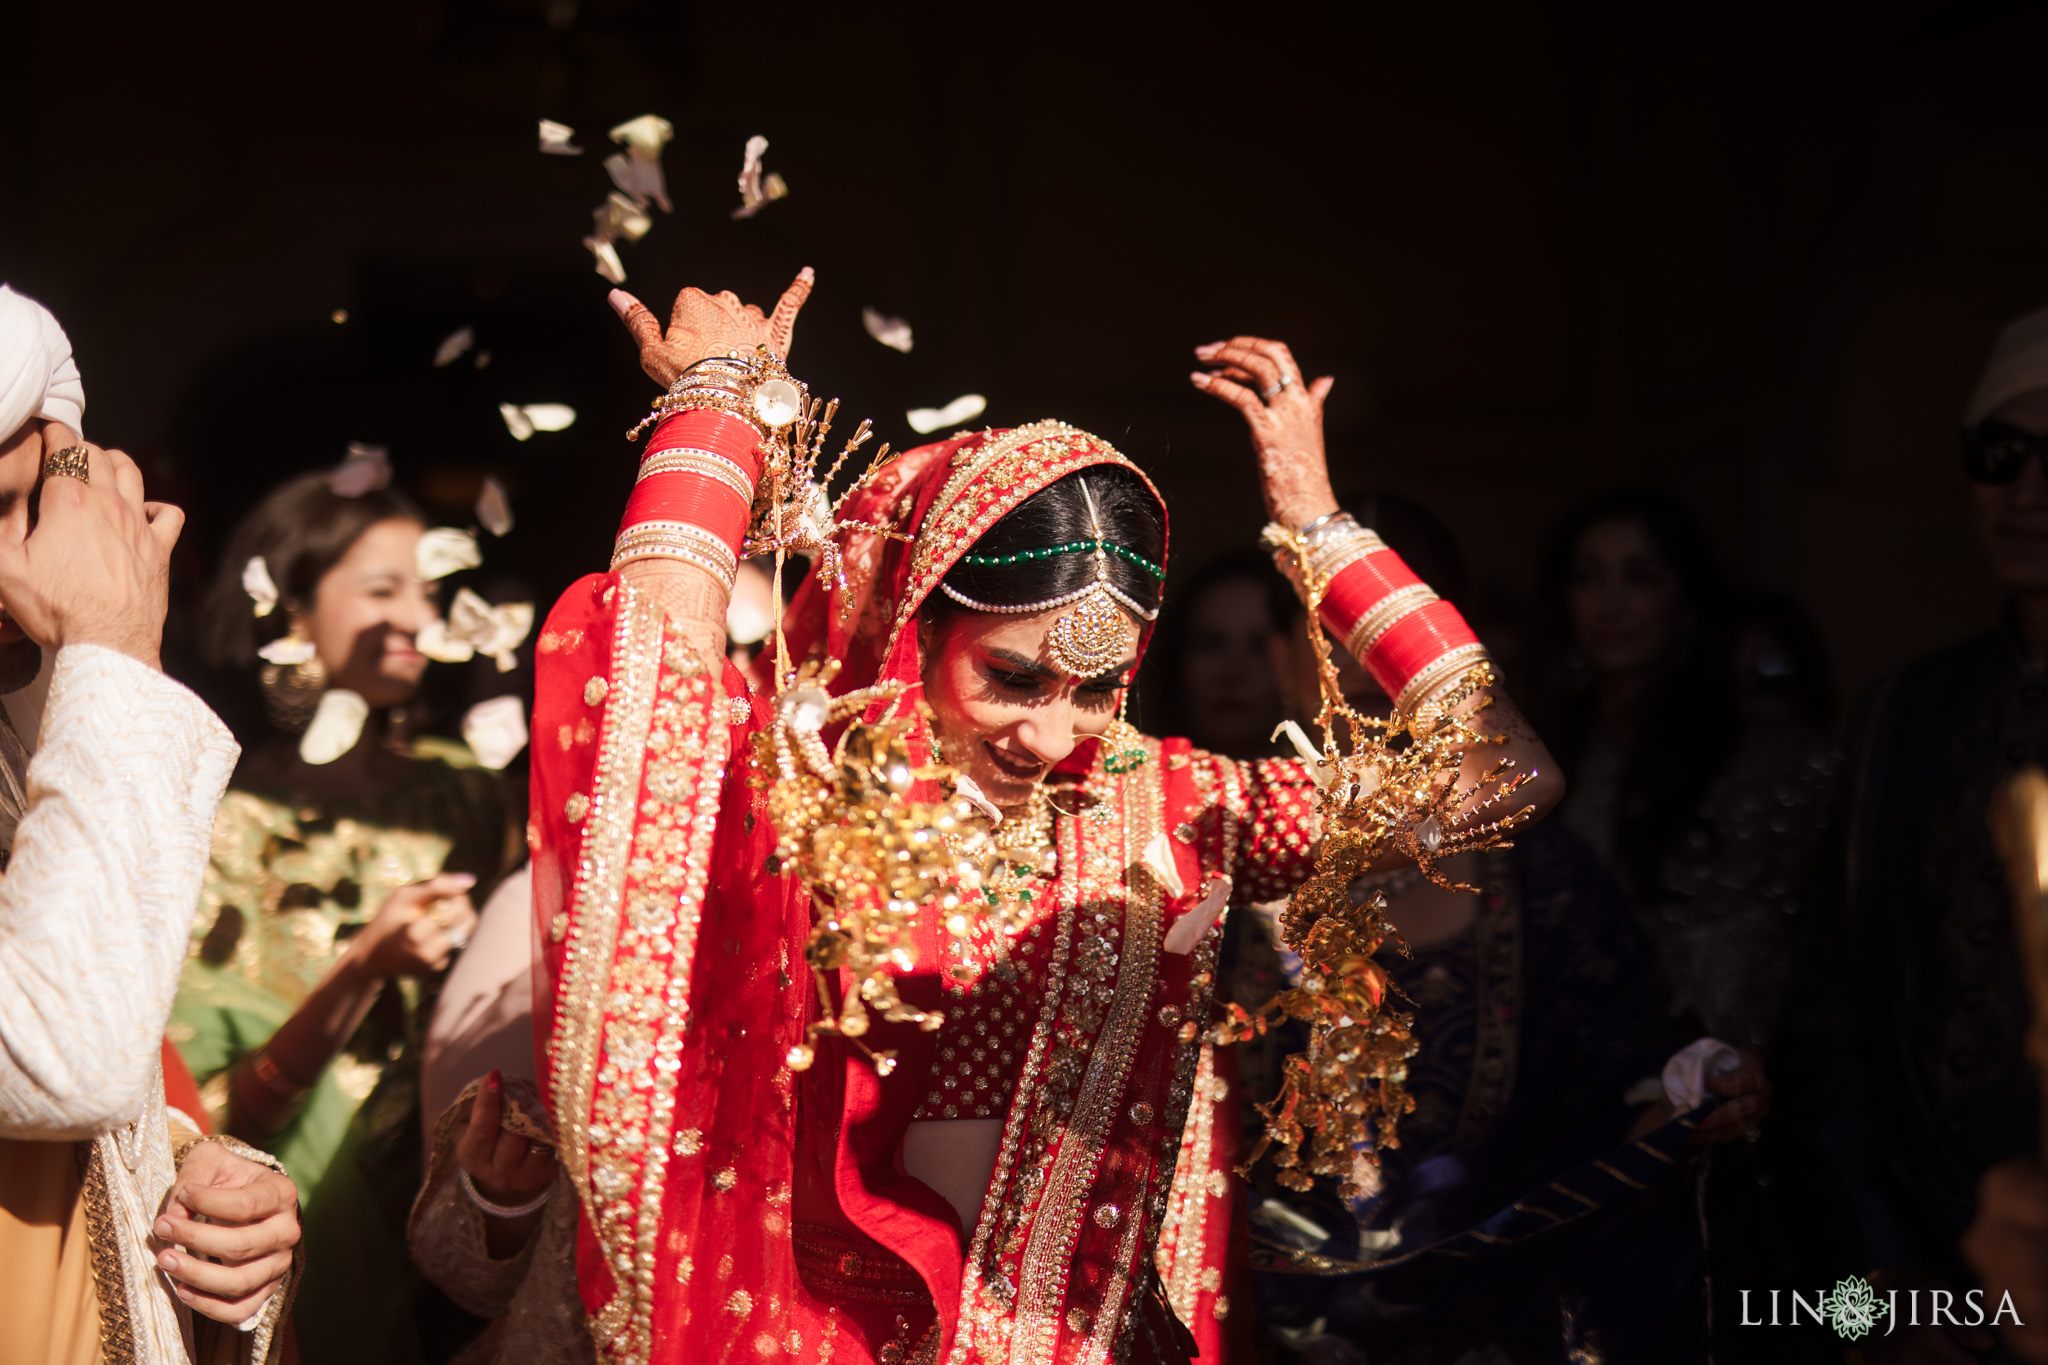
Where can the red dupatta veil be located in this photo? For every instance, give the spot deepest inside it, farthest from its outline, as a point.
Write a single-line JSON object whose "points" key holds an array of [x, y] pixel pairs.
{"points": [[733, 1210]]}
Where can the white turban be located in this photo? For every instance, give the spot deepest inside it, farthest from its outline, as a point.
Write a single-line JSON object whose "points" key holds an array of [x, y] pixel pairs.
{"points": [[2018, 364], [38, 377]]}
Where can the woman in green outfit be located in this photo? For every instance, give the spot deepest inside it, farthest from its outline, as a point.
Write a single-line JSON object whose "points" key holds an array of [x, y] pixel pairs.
{"points": [[339, 889]]}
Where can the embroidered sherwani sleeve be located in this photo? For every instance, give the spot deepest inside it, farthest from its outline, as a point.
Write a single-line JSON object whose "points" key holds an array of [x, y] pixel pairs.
{"points": [[96, 908]]}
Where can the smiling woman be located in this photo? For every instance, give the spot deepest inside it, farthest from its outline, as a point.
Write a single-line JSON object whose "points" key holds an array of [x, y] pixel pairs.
{"points": [[1005, 711], [338, 893], [1014, 1148]]}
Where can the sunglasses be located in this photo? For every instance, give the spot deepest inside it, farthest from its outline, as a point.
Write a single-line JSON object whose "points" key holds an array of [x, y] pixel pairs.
{"points": [[1996, 452]]}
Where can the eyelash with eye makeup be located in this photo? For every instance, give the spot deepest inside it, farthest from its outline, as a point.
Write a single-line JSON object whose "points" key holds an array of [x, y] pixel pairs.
{"points": [[1025, 682]]}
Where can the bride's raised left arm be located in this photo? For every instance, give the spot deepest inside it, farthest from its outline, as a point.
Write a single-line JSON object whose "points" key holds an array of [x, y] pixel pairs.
{"points": [[1413, 644]]}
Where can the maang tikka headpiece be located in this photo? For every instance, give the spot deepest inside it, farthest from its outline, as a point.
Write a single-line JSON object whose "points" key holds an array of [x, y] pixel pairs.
{"points": [[1089, 640]]}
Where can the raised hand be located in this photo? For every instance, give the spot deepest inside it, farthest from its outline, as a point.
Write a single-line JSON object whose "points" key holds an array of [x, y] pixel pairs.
{"points": [[704, 324], [95, 569], [236, 1222], [1260, 379], [505, 1167], [418, 927]]}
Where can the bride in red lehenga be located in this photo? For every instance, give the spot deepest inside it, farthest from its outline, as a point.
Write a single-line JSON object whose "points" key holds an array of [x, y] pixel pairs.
{"points": [[765, 1178]]}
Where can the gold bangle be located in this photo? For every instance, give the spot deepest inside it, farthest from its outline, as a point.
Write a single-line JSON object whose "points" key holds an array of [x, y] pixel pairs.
{"points": [[708, 463], [1439, 676], [675, 550], [676, 540], [717, 400], [1388, 612], [1340, 551]]}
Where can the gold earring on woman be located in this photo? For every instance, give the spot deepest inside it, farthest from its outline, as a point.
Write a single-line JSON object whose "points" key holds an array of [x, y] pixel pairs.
{"points": [[1123, 748], [291, 692]]}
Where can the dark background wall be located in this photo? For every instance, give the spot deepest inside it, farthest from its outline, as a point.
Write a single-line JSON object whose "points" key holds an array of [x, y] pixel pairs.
{"points": [[1754, 251]]}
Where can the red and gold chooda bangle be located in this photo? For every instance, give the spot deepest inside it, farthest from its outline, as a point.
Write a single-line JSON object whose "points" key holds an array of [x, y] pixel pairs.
{"points": [[1411, 641]]}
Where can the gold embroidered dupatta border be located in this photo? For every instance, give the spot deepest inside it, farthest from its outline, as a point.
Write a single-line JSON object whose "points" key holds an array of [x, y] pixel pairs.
{"points": [[631, 944]]}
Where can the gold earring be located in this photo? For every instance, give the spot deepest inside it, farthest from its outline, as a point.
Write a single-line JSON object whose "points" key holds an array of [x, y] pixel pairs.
{"points": [[291, 692], [1123, 747]]}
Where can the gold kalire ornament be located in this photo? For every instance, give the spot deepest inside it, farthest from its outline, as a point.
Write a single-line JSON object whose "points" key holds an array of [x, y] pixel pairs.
{"points": [[1345, 1095]]}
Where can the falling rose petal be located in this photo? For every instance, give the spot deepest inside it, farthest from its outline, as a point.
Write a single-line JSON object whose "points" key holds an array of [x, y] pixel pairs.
{"points": [[494, 508], [1187, 931], [516, 421], [443, 551], [965, 408], [257, 582], [453, 345], [436, 642], [637, 171], [550, 416], [493, 631], [746, 623], [554, 139], [366, 469], [638, 178], [483, 360], [757, 190], [336, 726], [649, 134], [287, 650], [1159, 862], [495, 730], [608, 263], [970, 791], [620, 219], [1319, 769], [891, 332]]}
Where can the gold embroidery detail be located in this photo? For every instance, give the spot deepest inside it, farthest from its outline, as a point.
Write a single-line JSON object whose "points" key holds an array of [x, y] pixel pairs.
{"points": [[575, 808], [594, 690]]}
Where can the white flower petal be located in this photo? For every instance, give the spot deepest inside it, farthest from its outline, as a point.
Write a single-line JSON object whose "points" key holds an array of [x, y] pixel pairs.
{"points": [[337, 725], [970, 791], [554, 139], [443, 551], [516, 421], [550, 416], [257, 582], [891, 332], [288, 650], [494, 508], [1319, 769], [1187, 931], [1159, 861], [367, 469], [435, 641], [649, 133], [495, 730], [965, 408], [453, 345], [608, 265]]}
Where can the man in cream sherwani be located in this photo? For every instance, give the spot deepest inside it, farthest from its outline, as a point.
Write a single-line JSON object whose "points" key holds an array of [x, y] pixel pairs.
{"points": [[112, 1238]]}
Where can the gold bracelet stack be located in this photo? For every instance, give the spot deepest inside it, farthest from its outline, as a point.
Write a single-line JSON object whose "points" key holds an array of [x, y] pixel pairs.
{"points": [[708, 463], [1331, 544], [677, 540]]}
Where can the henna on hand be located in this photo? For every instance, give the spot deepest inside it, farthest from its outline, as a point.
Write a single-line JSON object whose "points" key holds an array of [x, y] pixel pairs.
{"points": [[1260, 379], [704, 324]]}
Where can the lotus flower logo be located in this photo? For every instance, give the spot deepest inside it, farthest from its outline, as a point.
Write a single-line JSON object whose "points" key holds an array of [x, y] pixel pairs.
{"points": [[1852, 1307]]}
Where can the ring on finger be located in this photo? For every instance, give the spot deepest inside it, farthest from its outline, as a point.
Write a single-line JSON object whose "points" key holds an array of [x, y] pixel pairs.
{"points": [[68, 463], [539, 1149], [458, 939]]}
